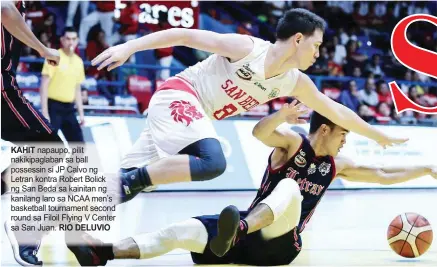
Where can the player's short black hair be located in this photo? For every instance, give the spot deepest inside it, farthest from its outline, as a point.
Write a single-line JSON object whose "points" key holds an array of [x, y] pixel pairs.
{"points": [[318, 120], [298, 20], [68, 29]]}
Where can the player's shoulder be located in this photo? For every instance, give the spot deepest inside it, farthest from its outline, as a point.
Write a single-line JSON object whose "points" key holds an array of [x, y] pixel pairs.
{"points": [[295, 140]]}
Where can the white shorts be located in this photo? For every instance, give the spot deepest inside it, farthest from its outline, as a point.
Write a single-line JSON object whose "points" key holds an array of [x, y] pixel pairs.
{"points": [[175, 120]]}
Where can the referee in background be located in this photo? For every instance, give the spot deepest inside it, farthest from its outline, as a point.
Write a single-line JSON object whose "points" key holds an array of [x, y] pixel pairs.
{"points": [[61, 89]]}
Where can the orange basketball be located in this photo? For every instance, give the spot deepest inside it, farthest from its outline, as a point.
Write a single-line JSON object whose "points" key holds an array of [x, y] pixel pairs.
{"points": [[409, 235]]}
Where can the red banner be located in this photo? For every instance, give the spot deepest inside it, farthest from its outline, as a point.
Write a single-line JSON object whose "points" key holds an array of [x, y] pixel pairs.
{"points": [[178, 14]]}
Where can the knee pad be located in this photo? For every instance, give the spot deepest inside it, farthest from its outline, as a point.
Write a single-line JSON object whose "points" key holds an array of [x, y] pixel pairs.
{"points": [[207, 160]]}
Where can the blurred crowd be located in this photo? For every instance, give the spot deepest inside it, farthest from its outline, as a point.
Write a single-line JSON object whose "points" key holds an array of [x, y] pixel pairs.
{"points": [[356, 45]]}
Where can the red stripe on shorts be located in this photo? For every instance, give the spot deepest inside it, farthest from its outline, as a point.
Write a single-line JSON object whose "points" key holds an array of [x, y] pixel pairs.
{"points": [[178, 83]]}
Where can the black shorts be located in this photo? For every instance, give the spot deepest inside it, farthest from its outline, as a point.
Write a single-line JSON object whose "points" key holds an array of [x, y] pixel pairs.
{"points": [[253, 250], [21, 121]]}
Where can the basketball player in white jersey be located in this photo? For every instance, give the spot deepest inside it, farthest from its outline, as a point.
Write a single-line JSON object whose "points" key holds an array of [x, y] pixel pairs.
{"points": [[179, 143], [299, 171]]}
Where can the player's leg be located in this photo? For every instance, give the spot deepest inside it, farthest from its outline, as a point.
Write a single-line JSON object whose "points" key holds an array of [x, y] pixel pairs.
{"points": [[190, 235], [185, 140], [276, 215], [71, 129], [26, 126]]}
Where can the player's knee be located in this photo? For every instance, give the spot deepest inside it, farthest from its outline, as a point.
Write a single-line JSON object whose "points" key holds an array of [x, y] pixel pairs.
{"points": [[203, 169], [292, 187], [207, 160]]}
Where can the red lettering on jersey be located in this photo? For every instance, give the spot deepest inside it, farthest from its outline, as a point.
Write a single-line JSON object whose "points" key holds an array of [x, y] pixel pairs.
{"points": [[226, 84], [237, 95], [248, 103], [320, 189], [307, 188], [291, 173], [301, 183], [226, 111], [232, 91], [314, 189]]}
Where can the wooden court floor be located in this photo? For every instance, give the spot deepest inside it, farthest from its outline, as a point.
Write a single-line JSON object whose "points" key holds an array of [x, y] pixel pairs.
{"points": [[347, 229]]}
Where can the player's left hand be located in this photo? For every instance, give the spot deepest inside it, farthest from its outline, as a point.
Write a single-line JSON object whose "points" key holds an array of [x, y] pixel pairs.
{"points": [[291, 112], [113, 57]]}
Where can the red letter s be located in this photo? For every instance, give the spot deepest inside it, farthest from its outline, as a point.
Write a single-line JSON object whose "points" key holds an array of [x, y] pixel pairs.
{"points": [[414, 58]]}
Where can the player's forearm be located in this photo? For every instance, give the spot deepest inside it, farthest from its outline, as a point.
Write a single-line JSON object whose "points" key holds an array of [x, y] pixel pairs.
{"points": [[15, 24], [399, 175], [267, 125], [160, 39], [348, 119]]}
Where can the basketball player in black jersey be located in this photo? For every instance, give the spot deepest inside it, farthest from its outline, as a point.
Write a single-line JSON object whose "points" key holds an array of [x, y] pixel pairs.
{"points": [[299, 171], [21, 123]]}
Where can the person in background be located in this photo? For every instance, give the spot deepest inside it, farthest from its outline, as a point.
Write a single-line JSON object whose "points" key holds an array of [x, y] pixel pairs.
{"points": [[368, 96], [61, 90], [103, 15], [349, 96]]}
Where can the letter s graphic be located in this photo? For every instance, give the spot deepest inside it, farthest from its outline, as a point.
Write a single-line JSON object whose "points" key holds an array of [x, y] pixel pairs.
{"points": [[413, 57]]}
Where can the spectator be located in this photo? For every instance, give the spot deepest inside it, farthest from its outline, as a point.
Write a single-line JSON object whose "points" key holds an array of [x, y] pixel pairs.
{"points": [[389, 19], [72, 8], [35, 15], [407, 77], [105, 15], [340, 51], [414, 95], [375, 66], [354, 58], [383, 93], [84, 93], [373, 20], [61, 90], [383, 113], [334, 68], [368, 96], [129, 25], [95, 46], [358, 18], [357, 72], [366, 113], [321, 65], [349, 96]]}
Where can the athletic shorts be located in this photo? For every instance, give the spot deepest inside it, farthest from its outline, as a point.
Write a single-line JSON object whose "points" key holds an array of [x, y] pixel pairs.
{"points": [[253, 250], [175, 119]]}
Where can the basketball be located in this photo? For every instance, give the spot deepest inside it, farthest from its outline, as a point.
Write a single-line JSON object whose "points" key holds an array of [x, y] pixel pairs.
{"points": [[409, 235]]}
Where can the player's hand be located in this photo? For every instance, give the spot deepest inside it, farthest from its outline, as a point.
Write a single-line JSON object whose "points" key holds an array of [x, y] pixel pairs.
{"points": [[52, 56], [113, 57], [291, 112], [390, 141]]}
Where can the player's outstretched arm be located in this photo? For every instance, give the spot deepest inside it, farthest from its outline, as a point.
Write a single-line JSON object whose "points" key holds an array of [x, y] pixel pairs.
{"points": [[307, 92], [386, 176], [232, 46], [266, 129], [15, 24]]}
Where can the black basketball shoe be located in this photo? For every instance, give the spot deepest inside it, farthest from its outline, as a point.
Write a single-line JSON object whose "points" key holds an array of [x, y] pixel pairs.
{"points": [[89, 251]]}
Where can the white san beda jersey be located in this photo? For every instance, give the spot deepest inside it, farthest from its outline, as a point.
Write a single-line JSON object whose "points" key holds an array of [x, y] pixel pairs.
{"points": [[226, 89]]}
